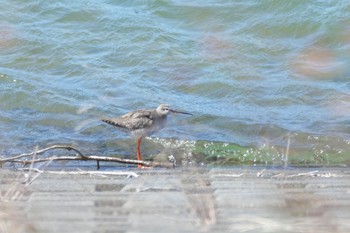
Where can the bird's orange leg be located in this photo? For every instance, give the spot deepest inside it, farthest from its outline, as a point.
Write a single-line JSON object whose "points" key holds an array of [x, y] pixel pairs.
{"points": [[139, 151]]}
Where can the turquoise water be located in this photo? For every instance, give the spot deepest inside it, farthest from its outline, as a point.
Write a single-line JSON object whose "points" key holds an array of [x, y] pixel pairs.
{"points": [[252, 72]]}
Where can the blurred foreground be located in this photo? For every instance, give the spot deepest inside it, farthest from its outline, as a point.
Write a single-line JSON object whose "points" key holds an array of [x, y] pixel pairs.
{"points": [[235, 199]]}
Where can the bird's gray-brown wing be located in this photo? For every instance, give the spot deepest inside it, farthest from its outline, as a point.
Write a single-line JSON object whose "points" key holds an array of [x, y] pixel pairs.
{"points": [[140, 119]]}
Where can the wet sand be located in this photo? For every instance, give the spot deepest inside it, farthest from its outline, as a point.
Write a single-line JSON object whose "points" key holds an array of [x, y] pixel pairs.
{"points": [[237, 199]]}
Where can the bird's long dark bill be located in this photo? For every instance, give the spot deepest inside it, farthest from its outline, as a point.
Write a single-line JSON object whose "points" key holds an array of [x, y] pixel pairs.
{"points": [[174, 111]]}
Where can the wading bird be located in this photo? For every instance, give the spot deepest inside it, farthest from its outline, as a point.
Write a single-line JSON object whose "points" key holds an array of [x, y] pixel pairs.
{"points": [[143, 123]]}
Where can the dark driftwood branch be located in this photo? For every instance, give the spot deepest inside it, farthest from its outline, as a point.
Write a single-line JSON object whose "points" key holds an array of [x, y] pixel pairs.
{"points": [[23, 158], [37, 152]]}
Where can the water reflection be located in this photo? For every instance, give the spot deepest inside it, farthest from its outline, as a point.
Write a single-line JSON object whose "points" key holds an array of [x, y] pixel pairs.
{"points": [[318, 62]]}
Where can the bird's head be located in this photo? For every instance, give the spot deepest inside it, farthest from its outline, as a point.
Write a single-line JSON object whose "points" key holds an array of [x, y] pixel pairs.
{"points": [[164, 109]]}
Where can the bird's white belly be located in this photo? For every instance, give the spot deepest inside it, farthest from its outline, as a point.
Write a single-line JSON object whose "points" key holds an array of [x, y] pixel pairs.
{"points": [[144, 132]]}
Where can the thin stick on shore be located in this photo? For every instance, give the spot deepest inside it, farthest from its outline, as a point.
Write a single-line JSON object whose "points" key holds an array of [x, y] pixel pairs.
{"points": [[24, 158], [81, 172], [37, 151]]}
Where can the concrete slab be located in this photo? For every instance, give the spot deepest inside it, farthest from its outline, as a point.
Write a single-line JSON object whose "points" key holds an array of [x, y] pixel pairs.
{"points": [[241, 199]]}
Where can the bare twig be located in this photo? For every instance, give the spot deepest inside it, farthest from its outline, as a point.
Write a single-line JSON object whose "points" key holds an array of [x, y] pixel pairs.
{"points": [[37, 152], [312, 173], [29, 178], [202, 200], [287, 152], [303, 174], [79, 156], [81, 172]]}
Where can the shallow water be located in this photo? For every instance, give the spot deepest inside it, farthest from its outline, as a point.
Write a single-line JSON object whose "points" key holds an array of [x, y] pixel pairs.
{"points": [[251, 73]]}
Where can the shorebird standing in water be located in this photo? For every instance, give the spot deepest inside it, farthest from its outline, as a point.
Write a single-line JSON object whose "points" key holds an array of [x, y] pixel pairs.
{"points": [[142, 123]]}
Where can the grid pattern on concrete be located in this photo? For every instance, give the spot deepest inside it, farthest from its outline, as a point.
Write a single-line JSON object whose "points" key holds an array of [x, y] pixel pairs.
{"points": [[180, 200]]}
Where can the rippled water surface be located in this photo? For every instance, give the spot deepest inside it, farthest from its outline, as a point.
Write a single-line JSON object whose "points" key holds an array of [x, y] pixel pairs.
{"points": [[253, 73]]}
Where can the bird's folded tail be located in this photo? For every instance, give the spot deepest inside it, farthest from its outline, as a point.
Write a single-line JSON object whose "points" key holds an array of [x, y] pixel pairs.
{"points": [[111, 122]]}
